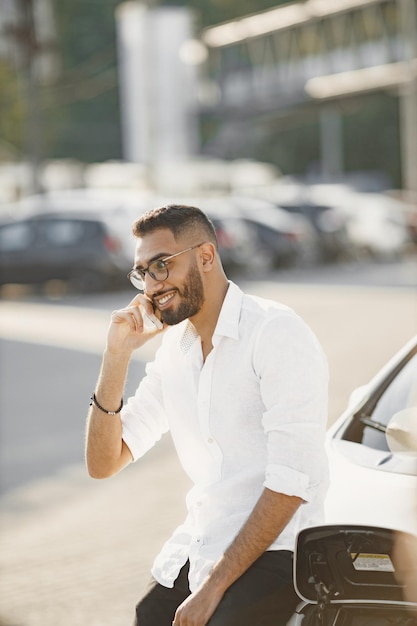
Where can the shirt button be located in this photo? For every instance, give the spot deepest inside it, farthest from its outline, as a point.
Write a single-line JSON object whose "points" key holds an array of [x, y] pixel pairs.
{"points": [[210, 440]]}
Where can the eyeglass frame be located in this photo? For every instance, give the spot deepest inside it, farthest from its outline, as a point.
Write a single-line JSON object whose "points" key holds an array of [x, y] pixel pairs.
{"points": [[142, 272]]}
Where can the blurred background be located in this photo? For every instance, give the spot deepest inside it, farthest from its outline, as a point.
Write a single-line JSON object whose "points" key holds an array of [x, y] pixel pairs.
{"points": [[295, 126], [292, 124]]}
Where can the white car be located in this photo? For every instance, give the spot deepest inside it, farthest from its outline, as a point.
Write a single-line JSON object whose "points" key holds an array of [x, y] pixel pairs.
{"points": [[372, 450], [377, 225], [360, 568]]}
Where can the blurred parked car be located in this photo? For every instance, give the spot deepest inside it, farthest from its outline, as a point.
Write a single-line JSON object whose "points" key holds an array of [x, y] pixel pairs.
{"points": [[377, 224], [82, 249], [372, 450], [330, 225], [235, 240], [95, 200], [351, 575], [271, 238], [328, 222]]}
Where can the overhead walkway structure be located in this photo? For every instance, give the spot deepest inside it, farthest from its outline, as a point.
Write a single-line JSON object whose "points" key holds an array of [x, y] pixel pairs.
{"points": [[313, 53]]}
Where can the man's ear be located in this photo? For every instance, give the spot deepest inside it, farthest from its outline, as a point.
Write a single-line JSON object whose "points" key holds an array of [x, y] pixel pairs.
{"points": [[208, 255]]}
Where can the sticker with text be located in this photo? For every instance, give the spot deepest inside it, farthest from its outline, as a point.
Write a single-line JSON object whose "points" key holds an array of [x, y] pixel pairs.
{"points": [[372, 562]]}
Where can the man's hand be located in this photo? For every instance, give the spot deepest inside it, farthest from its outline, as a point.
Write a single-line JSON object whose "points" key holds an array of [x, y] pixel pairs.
{"points": [[127, 330], [198, 608]]}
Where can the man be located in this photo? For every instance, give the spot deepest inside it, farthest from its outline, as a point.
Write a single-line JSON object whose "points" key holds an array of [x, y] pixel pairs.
{"points": [[241, 384]]}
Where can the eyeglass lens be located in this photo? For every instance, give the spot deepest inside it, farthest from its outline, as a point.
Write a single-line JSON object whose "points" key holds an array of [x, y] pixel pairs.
{"points": [[158, 270]]}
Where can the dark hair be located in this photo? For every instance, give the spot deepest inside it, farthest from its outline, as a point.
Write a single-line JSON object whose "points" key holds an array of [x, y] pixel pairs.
{"points": [[180, 219]]}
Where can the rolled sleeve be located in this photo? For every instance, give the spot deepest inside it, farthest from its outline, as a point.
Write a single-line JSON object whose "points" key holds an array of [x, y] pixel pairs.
{"points": [[143, 418], [294, 386], [286, 480]]}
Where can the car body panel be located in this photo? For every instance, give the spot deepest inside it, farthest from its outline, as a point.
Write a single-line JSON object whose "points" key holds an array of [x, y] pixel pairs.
{"points": [[368, 483]]}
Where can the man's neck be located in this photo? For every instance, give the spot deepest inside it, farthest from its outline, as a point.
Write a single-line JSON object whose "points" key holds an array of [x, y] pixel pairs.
{"points": [[206, 320]]}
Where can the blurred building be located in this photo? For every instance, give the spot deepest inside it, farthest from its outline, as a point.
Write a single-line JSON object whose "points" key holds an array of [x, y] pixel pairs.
{"points": [[317, 59], [315, 87]]}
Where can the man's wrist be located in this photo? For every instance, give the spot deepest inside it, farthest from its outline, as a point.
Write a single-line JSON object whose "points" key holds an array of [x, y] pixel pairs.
{"points": [[122, 356], [219, 580], [96, 403]]}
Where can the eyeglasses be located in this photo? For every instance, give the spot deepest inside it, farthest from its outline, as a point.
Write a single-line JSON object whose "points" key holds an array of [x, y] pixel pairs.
{"points": [[158, 269]]}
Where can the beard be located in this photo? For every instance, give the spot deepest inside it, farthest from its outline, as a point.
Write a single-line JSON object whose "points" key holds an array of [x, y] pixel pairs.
{"points": [[192, 299]]}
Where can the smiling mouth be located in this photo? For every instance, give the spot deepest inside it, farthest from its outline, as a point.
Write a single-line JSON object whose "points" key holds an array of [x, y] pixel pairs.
{"points": [[162, 301]]}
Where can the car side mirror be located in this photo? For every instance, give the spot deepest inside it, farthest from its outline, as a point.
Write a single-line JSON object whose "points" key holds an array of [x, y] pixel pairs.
{"points": [[357, 395], [401, 432]]}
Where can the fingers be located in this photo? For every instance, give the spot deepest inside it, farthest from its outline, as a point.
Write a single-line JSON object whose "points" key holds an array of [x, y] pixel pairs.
{"points": [[140, 299], [130, 316], [150, 320], [137, 317]]}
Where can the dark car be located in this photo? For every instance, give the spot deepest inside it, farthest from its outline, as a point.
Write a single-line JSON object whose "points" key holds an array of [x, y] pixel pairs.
{"points": [[327, 220], [235, 240], [272, 237], [81, 249], [330, 226]]}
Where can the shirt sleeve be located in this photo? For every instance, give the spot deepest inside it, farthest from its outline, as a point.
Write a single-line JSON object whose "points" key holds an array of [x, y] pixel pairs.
{"points": [[143, 417], [293, 375]]}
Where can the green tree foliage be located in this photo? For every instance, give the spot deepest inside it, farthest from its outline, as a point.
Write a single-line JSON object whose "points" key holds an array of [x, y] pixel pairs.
{"points": [[84, 102], [372, 135], [11, 114]]}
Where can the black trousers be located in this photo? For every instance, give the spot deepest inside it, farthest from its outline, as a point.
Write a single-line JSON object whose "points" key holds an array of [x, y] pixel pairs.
{"points": [[263, 596]]}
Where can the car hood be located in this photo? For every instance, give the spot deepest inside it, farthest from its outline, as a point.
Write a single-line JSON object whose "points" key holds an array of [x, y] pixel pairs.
{"points": [[348, 563]]}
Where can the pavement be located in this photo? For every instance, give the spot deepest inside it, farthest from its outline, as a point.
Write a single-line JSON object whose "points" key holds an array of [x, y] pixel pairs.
{"points": [[72, 550], [77, 552]]}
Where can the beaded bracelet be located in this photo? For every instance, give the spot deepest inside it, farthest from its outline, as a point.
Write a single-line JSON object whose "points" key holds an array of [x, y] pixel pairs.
{"points": [[98, 405]]}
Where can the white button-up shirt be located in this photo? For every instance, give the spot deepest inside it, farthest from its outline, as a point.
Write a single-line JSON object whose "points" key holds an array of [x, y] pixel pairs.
{"points": [[253, 415]]}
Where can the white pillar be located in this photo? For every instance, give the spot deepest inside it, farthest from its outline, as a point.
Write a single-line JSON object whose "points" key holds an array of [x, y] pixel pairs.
{"points": [[134, 79], [158, 90]]}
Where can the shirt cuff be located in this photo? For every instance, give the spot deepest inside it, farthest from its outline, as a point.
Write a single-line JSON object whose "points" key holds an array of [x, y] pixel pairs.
{"points": [[286, 480]]}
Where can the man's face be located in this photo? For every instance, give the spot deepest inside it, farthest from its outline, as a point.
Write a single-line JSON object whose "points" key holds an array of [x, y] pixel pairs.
{"points": [[181, 294]]}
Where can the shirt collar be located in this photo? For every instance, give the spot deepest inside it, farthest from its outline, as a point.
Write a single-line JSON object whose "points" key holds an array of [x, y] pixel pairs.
{"points": [[227, 323]]}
